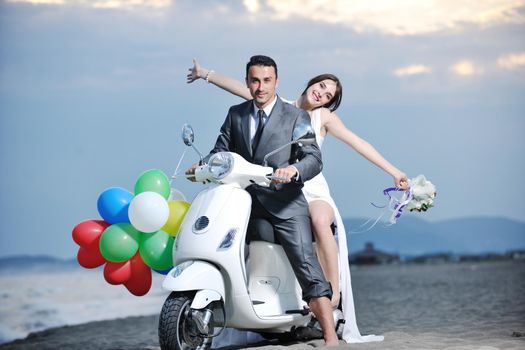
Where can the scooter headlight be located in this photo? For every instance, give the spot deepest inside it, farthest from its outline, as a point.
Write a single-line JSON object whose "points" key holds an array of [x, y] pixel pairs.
{"points": [[220, 164]]}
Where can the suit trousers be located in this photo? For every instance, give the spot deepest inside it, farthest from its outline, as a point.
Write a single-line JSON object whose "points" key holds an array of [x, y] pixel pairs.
{"points": [[295, 236]]}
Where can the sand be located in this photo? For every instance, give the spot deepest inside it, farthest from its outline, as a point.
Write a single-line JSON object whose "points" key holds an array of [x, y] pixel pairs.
{"points": [[467, 306], [140, 333]]}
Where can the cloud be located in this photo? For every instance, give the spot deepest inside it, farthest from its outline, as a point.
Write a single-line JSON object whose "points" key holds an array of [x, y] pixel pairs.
{"points": [[465, 68], [512, 61], [402, 17], [252, 6], [413, 69], [112, 4]]}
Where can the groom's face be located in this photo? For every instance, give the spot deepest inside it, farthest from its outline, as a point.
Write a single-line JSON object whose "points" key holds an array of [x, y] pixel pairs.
{"points": [[262, 81]]}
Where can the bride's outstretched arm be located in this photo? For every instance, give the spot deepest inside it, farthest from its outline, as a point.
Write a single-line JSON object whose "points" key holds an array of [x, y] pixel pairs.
{"points": [[335, 126], [226, 83]]}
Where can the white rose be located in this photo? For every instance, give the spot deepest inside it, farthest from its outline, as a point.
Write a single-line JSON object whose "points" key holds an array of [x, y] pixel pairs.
{"points": [[423, 193]]}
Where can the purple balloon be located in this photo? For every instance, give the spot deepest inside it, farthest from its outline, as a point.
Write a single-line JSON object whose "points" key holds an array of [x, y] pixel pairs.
{"points": [[113, 203]]}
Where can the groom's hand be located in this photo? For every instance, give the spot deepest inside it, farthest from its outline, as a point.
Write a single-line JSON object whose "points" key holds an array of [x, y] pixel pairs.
{"points": [[191, 171], [285, 175]]}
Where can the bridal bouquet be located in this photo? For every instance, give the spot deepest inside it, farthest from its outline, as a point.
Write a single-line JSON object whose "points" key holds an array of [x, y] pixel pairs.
{"points": [[423, 194], [419, 196]]}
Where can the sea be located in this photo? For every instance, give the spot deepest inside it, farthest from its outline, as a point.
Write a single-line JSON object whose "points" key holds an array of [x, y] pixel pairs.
{"points": [[34, 299], [401, 297]]}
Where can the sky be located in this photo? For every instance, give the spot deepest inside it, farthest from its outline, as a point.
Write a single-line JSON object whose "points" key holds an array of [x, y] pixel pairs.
{"points": [[93, 93]]}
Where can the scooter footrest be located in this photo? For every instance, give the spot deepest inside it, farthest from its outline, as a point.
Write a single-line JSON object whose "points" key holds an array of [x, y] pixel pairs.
{"points": [[303, 312]]}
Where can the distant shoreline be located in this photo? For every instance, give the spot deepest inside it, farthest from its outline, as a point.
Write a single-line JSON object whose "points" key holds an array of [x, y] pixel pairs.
{"points": [[411, 236], [49, 263]]}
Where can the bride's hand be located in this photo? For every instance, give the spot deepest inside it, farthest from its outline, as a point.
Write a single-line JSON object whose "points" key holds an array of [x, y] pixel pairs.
{"points": [[401, 181], [196, 72]]}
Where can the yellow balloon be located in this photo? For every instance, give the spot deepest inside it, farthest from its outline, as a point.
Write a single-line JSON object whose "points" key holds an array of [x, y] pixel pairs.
{"points": [[178, 210]]}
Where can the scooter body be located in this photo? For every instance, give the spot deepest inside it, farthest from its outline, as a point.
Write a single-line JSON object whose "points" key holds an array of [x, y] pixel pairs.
{"points": [[218, 280], [257, 287]]}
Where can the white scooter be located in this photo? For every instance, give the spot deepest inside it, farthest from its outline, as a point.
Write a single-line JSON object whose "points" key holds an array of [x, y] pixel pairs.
{"points": [[215, 282]]}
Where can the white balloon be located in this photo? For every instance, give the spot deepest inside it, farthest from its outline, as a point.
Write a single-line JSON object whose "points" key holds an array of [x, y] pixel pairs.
{"points": [[176, 195], [148, 211]]}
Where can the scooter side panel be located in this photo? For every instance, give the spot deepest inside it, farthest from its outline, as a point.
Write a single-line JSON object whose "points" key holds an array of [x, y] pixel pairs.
{"points": [[272, 283]]}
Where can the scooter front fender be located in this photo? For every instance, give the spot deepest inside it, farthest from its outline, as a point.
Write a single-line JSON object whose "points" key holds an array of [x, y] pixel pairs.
{"points": [[194, 275]]}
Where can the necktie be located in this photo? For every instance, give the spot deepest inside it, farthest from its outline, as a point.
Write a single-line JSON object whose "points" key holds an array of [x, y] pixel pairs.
{"points": [[261, 115]]}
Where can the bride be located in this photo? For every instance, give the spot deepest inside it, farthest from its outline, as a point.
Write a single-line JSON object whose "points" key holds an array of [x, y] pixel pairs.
{"points": [[320, 99]]}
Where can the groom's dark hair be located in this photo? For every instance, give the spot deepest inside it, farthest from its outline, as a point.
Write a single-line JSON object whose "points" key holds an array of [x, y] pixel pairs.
{"points": [[261, 60]]}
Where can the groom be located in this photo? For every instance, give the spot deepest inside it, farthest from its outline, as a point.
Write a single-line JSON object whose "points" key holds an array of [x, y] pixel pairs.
{"points": [[255, 128]]}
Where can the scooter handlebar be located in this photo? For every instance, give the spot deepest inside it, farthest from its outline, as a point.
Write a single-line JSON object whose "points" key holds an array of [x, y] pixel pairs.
{"points": [[241, 172], [280, 179]]}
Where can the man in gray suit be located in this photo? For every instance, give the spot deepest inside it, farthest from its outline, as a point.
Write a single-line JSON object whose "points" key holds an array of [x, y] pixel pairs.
{"points": [[255, 128]]}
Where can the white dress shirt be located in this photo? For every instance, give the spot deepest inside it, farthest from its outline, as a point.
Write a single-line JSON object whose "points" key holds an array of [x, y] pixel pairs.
{"points": [[254, 120]]}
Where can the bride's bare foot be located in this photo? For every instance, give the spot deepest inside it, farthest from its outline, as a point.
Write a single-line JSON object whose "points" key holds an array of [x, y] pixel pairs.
{"points": [[331, 342]]}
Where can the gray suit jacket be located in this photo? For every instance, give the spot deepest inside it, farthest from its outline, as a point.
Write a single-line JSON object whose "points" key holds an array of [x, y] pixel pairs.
{"points": [[282, 200]]}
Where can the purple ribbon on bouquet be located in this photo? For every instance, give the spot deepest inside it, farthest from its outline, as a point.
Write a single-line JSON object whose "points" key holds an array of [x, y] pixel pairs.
{"points": [[394, 205], [397, 205]]}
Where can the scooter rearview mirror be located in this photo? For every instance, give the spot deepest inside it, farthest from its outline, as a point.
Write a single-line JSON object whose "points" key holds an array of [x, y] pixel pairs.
{"points": [[306, 141], [304, 133], [187, 135]]}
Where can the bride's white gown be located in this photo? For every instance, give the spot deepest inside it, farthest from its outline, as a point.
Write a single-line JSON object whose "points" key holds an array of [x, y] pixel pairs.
{"points": [[316, 189]]}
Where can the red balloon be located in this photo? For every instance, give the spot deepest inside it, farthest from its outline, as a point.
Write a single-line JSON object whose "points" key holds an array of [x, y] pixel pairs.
{"points": [[90, 256], [117, 273], [89, 231], [140, 280]]}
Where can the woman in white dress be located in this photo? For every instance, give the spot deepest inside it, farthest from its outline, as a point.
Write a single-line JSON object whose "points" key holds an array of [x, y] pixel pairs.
{"points": [[320, 99]]}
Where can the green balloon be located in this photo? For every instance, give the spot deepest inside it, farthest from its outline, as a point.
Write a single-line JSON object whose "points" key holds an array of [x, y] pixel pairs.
{"points": [[153, 180], [119, 242], [156, 250]]}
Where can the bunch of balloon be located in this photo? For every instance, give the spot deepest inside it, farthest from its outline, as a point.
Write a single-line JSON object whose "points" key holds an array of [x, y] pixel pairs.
{"points": [[136, 234]]}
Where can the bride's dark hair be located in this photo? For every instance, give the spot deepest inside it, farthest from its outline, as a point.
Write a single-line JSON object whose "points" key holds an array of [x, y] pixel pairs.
{"points": [[334, 103]]}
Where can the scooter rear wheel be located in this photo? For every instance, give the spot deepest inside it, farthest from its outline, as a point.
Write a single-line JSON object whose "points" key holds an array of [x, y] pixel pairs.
{"points": [[176, 329]]}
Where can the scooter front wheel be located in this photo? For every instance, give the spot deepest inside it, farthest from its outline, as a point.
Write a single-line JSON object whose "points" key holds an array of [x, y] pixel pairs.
{"points": [[176, 329]]}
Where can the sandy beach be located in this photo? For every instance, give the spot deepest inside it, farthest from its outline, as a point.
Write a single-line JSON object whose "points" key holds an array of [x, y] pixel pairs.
{"points": [[463, 306], [140, 333]]}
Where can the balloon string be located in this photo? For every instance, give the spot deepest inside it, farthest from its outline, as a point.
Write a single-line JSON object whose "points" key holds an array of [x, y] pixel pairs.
{"points": [[178, 165]]}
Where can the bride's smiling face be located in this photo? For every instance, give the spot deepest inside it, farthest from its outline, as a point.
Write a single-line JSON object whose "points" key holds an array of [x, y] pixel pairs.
{"points": [[321, 93]]}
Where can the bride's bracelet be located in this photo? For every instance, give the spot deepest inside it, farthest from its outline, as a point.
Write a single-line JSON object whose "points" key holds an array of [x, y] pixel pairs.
{"points": [[207, 78]]}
